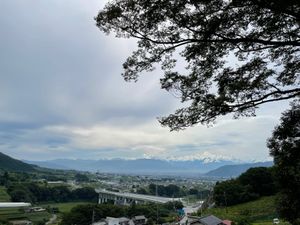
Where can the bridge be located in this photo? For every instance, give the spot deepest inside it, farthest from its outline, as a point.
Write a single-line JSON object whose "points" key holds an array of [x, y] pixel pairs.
{"points": [[128, 198]]}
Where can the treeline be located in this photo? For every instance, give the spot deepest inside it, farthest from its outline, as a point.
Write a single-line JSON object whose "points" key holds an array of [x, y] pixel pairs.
{"points": [[82, 214], [32, 192], [172, 191], [251, 185]]}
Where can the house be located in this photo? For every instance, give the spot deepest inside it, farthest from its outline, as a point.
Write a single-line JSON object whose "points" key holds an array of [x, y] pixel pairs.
{"points": [[137, 220], [205, 220], [211, 220]]}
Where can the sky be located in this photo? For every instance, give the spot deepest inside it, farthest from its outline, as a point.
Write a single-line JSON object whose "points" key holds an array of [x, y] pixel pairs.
{"points": [[62, 95]]}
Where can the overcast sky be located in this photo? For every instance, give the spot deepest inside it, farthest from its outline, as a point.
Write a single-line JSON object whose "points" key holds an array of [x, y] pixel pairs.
{"points": [[62, 95]]}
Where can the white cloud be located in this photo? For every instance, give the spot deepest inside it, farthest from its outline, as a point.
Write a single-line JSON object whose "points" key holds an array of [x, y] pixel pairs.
{"points": [[242, 139]]}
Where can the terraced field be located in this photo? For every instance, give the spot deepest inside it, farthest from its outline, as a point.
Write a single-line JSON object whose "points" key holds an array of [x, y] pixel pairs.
{"points": [[18, 214], [259, 212]]}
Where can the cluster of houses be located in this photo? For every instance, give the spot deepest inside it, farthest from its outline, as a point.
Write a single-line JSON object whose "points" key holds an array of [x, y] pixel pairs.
{"points": [[137, 220], [142, 220], [205, 220]]}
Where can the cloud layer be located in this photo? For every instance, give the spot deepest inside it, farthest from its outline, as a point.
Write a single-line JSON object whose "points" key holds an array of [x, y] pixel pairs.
{"points": [[62, 96]]}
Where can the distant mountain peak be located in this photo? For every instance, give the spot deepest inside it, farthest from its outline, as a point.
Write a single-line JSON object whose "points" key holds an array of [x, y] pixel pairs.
{"points": [[206, 157]]}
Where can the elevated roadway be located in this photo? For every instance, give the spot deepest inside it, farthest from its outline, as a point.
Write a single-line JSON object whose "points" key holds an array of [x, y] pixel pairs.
{"points": [[127, 197]]}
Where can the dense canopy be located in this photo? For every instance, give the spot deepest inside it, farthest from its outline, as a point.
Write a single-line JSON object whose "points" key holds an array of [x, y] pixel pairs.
{"points": [[284, 146], [238, 54]]}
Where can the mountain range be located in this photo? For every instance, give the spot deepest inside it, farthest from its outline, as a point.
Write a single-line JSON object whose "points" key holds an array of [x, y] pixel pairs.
{"points": [[219, 168]]}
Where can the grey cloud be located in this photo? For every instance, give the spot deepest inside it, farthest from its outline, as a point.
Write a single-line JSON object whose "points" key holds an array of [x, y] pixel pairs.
{"points": [[57, 69]]}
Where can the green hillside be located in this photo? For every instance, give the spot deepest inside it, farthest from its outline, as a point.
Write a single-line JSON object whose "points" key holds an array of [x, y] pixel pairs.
{"points": [[261, 211], [9, 164], [4, 197]]}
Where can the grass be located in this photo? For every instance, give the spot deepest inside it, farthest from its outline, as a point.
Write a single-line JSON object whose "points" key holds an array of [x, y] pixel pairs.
{"points": [[19, 214], [64, 207], [270, 223], [16, 214], [259, 212], [4, 197]]}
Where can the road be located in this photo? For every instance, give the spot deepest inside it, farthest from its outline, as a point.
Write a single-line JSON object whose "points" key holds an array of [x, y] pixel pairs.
{"points": [[51, 220]]}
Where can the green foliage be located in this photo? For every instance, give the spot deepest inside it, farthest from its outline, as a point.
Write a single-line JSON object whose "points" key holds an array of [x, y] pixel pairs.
{"points": [[79, 177], [238, 54], [21, 195], [16, 214], [231, 192], [252, 184], [258, 211], [171, 191], [284, 146], [4, 179], [174, 205], [141, 191], [4, 197], [243, 221], [85, 193], [32, 192], [260, 179], [63, 207]]}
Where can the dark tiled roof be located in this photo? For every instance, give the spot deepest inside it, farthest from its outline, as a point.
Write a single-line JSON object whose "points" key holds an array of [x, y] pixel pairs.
{"points": [[210, 220], [142, 217]]}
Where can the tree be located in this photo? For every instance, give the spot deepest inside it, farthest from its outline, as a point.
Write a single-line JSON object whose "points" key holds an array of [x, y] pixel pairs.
{"points": [[284, 146], [231, 192], [260, 179], [4, 179], [22, 195], [85, 193], [238, 54], [250, 185], [79, 177]]}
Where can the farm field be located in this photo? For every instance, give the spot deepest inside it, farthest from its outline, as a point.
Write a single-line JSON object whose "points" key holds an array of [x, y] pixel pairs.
{"points": [[16, 214], [64, 207], [4, 197], [259, 212]]}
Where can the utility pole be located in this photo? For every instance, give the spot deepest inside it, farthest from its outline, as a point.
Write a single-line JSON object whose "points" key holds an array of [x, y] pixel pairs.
{"points": [[93, 216], [201, 202], [156, 193], [225, 202]]}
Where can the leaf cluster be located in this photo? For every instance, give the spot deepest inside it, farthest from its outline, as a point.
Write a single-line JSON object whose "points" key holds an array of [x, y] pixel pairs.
{"points": [[254, 183], [284, 146], [238, 54]]}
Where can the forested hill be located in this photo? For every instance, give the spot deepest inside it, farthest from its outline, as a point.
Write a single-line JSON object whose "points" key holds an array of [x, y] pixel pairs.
{"points": [[9, 164], [236, 170]]}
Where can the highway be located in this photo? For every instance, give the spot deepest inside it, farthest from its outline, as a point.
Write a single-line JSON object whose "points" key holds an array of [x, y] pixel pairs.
{"points": [[149, 198]]}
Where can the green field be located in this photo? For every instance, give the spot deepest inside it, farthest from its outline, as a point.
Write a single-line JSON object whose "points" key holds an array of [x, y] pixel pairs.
{"points": [[64, 207], [16, 214], [259, 212], [4, 197]]}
